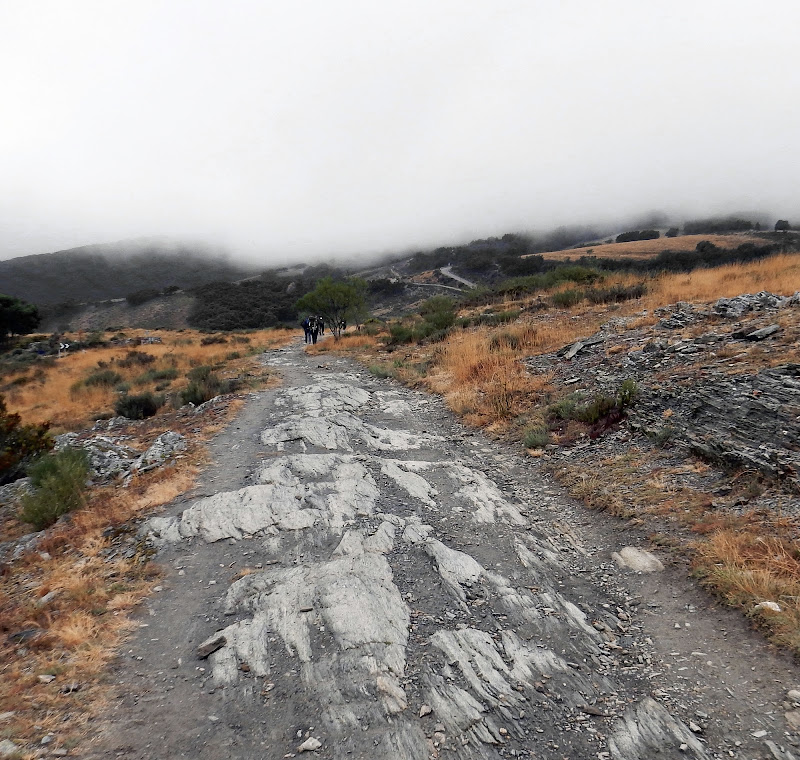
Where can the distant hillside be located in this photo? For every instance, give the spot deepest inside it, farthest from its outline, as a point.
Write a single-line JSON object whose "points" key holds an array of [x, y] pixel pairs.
{"points": [[101, 272]]}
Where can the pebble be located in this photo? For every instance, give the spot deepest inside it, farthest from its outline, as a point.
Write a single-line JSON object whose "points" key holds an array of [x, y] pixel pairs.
{"points": [[425, 710], [46, 678]]}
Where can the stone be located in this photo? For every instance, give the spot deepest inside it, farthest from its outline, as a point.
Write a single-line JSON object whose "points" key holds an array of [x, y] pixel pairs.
{"points": [[310, 745], [637, 559], [764, 332], [425, 710], [46, 678], [162, 449], [793, 719], [211, 644], [793, 695], [771, 606], [8, 748]]}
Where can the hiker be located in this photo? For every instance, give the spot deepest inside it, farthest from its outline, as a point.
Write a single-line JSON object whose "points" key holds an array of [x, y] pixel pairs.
{"points": [[306, 325], [314, 328], [321, 323]]}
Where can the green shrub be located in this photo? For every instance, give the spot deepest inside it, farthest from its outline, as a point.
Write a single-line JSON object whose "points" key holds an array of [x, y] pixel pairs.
{"points": [[106, 378], [400, 334], [598, 407], [663, 436], [564, 408], [627, 393], [19, 444], [59, 482], [536, 437], [567, 298], [206, 386], [233, 355], [616, 293], [138, 407], [156, 375], [379, 371], [199, 374]]}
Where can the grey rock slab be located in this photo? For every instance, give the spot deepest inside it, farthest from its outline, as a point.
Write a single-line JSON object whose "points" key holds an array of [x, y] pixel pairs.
{"points": [[648, 728], [396, 567], [635, 558]]}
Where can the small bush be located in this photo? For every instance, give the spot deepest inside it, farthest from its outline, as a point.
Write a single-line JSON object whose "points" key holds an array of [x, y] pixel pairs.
{"points": [[663, 436], [379, 371], [138, 407], [206, 386], [627, 393], [536, 437], [156, 375], [600, 406], [564, 408], [504, 340], [210, 340], [59, 482], [199, 374], [105, 378], [566, 298], [136, 359], [616, 293], [233, 355], [400, 334]]}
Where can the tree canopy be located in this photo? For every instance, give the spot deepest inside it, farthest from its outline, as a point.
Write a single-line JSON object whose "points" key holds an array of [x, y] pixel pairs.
{"points": [[17, 317], [336, 301]]}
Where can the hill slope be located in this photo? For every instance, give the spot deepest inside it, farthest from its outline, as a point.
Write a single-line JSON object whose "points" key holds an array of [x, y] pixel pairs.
{"points": [[101, 272]]}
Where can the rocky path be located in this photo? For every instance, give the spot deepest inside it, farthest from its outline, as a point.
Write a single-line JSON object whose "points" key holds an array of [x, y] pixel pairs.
{"points": [[359, 576]]}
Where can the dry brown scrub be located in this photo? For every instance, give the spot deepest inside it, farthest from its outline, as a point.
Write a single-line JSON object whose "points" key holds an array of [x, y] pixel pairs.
{"points": [[54, 393], [478, 371], [75, 633], [645, 249]]}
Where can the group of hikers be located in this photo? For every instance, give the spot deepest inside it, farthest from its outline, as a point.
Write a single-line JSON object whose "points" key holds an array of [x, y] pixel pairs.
{"points": [[313, 327]]}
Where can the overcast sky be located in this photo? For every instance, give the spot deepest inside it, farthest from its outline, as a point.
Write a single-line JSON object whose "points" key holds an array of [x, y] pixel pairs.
{"points": [[298, 129]]}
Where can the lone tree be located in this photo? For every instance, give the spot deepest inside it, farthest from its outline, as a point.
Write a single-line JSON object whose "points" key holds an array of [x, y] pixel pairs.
{"points": [[782, 226], [337, 302], [17, 317]]}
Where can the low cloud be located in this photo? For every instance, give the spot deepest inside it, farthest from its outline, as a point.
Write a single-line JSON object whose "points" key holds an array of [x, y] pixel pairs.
{"points": [[296, 131]]}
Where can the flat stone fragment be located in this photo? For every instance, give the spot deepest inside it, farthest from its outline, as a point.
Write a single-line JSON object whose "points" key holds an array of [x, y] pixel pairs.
{"points": [[211, 644], [640, 560], [764, 332], [309, 745]]}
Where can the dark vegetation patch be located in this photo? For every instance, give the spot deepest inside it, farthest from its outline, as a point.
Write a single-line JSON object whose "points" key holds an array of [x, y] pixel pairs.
{"points": [[20, 444]]}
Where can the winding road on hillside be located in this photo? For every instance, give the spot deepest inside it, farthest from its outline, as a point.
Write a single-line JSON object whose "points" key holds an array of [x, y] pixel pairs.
{"points": [[357, 575]]}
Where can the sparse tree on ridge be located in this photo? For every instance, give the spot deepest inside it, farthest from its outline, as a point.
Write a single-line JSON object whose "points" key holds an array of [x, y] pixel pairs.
{"points": [[17, 317], [337, 302], [782, 226]]}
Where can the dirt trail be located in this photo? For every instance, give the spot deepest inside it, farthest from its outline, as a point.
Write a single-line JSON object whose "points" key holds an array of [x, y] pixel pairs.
{"points": [[359, 576]]}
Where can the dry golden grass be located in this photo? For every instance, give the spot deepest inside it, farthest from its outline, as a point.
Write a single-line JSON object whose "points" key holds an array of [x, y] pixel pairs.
{"points": [[777, 274], [749, 564], [351, 342], [81, 628], [645, 249], [479, 373], [55, 394]]}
